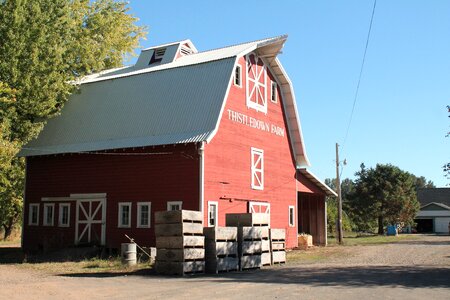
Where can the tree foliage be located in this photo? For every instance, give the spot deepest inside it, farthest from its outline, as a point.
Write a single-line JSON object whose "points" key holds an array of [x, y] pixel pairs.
{"points": [[384, 194], [45, 45]]}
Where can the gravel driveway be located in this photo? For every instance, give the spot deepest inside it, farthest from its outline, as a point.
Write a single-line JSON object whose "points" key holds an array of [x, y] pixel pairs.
{"points": [[417, 269]]}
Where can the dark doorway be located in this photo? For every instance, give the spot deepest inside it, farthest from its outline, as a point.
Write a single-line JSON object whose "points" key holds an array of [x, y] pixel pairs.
{"points": [[424, 225]]}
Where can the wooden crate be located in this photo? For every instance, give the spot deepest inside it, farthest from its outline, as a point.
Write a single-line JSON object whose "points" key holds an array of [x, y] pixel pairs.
{"points": [[180, 255], [277, 234], [250, 247], [220, 233], [265, 245], [178, 216], [247, 219], [179, 268], [278, 257], [250, 233], [178, 229], [214, 249], [249, 262], [278, 246], [222, 264], [180, 242], [266, 258]]}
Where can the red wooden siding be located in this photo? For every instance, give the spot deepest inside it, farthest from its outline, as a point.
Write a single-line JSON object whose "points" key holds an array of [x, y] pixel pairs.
{"points": [[228, 161], [124, 178]]}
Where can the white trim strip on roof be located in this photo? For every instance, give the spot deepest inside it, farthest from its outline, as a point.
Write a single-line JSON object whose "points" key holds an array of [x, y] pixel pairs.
{"points": [[308, 174]]}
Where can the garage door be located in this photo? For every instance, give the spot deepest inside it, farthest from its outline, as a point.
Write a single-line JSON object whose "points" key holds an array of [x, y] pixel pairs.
{"points": [[441, 225]]}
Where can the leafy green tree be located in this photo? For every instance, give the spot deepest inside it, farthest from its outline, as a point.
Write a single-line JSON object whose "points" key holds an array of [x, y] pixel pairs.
{"points": [[46, 45], [422, 183], [384, 194], [346, 188]]}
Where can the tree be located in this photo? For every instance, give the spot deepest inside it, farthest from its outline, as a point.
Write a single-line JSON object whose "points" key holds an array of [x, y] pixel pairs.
{"points": [[346, 188], [46, 45], [385, 195], [422, 183]]}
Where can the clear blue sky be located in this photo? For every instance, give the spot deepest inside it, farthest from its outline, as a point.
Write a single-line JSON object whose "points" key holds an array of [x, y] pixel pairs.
{"points": [[400, 116]]}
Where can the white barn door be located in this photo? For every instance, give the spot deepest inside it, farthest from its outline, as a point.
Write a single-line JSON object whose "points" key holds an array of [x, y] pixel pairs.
{"points": [[90, 222], [259, 207]]}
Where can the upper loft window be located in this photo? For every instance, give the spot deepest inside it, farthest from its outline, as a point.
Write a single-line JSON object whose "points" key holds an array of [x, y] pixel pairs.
{"points": [[274, 94], [159, 53], [256, 88], [238, 76]]}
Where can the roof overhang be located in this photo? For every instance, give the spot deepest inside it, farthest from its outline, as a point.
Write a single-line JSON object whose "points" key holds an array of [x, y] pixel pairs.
{"points": [[436, 203], [325, 188]]}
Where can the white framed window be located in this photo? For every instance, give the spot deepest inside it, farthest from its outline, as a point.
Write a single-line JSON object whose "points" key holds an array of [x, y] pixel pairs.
{"points": [[64, 215], [238, 76], [174, 205], [213, 213], [274, 94], [49, 212], [124, 220], [33, 214], [256, 83], [144, 214], [257, 168], [291, 216]]}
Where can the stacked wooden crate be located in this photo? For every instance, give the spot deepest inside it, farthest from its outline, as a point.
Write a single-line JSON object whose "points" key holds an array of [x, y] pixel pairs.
{"points": [[221, 249], [278, 245], [180, 244], [253, 238]]}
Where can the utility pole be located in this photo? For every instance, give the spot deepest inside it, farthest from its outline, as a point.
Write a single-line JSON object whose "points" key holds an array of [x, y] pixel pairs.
{"points": [[338, 189]]}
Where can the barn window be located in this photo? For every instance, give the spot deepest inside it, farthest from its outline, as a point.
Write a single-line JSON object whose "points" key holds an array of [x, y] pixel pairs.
{"points": [[124, 214], [143, 214], [238, 76], [274, 95], [256, 83], [291, 216], [33, 214], [49, 209], [257, 168], [174, 205], [212, 213], [64, 215]]}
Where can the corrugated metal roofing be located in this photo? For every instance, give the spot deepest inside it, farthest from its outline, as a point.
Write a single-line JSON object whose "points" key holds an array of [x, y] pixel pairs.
{"points": [[157, 108], [177, 102]]}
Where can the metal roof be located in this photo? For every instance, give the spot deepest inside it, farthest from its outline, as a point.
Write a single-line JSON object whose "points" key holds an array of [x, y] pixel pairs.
{"points": [[177, 102], [436, 195], [325, 188]]}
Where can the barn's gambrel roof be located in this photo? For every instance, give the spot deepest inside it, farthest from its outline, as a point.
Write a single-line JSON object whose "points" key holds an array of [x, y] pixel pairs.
{"points": [[179, 101]]}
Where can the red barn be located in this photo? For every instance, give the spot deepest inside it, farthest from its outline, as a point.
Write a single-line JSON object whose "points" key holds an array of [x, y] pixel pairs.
{"points": [[216, 131]]}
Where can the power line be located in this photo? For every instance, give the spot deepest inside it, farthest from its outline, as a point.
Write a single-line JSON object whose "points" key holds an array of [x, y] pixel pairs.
{"points": [[360, 73]]}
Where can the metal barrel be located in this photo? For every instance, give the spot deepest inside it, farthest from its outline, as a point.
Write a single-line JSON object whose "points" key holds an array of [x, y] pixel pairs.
{"points": [[128, 253]]}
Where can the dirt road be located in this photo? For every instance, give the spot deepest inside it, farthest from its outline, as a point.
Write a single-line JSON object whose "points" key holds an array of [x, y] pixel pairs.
{"points": [[418, 269]]}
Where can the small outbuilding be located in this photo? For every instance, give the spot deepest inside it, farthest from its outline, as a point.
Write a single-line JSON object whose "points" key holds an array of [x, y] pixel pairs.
{"points": [[434, 214]]}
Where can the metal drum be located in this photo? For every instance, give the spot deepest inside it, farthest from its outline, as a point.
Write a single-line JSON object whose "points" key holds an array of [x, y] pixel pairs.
{"points": [[128, 253]]}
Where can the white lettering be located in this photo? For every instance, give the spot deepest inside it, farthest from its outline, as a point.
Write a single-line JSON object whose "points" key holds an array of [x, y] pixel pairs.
{"points": [[241, 118]]}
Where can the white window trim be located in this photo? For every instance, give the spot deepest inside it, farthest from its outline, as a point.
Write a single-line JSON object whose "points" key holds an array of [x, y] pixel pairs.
{"points": [[119, 221], [30, 214], [138, 217], [293, 216], [44, 221], [251, 104], [272, 85], [170, 203], [240, 75], [216, 217], [60, 215], [257, 185]]}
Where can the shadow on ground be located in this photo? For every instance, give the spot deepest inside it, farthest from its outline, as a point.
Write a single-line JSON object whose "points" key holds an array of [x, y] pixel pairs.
{"points": [[398, 276]]}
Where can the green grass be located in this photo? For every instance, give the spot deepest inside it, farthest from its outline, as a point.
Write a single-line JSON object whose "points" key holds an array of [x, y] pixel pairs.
{"points": [[355, 240]]}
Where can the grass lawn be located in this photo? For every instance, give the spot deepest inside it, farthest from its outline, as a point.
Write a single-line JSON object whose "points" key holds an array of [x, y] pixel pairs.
{"points": [[351, 239]]}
